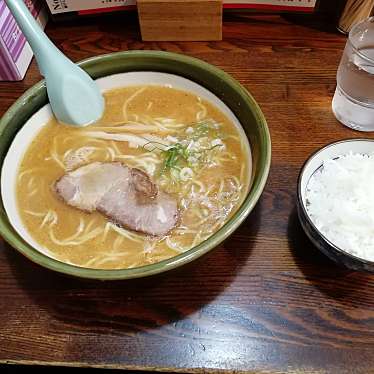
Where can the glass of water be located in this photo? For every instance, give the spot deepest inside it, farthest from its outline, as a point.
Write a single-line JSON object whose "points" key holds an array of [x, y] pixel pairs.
{"points": [[353, 102]]}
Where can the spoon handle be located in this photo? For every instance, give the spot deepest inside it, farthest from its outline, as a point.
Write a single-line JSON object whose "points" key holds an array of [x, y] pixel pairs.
{"points": [[42, 47]]}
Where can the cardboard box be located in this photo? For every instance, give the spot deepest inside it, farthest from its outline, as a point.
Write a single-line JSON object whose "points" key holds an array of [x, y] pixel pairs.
{"points": [[15, 52], [84, 7]]}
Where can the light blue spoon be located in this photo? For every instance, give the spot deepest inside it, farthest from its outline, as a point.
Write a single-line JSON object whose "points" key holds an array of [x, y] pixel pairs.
{"points": [[75, 98]]}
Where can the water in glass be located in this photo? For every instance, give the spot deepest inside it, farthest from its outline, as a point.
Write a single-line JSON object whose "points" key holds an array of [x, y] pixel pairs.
{"points": [[353, 102]]}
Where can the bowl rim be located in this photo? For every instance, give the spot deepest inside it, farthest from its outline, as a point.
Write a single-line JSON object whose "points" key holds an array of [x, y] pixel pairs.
{"points": [[218, 237], [302, 205]]}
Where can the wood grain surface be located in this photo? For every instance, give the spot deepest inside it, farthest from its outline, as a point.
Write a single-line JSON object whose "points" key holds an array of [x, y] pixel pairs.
{"points": [[266, 301], [181, 20]]}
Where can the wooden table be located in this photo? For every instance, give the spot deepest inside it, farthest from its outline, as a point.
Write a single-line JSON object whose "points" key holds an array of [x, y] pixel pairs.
{"points": [[266, 300]]}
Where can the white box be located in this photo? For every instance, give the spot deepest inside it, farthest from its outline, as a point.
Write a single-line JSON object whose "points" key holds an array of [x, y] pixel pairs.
{"points": [[272, 5], [89, 6], [97, 6]]}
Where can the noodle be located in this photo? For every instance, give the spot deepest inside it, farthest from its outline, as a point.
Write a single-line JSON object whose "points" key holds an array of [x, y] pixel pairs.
{"points": [[165, 121], [71, 241], [128, 101], [112, 153], [50, 215], [30, 182], [106, 231], [174, 246], [114, 145], [90, 263], [185, 231], [117, 243], [33, 192], [233, 137], [54, 155], [196, 239], [202, 113], [134, 127], [127, 234], [134, 141], [208, 180], [36, 214]]}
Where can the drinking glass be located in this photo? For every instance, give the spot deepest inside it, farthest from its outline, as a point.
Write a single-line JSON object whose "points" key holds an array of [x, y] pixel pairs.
{"points": [[353, 102]]}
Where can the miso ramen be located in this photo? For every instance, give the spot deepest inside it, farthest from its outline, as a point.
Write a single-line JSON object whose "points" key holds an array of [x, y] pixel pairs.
{"points": [[184, 144]]}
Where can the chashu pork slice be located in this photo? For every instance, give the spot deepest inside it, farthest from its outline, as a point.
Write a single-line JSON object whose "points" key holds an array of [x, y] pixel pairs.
{"points": [[125, 195]]}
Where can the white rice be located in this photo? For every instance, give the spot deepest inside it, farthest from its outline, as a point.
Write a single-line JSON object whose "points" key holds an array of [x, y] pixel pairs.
{"points": [[340, 202]]}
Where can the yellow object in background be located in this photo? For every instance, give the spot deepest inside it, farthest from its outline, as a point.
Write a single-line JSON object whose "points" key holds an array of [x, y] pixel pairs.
{"points": [[354, 12]]}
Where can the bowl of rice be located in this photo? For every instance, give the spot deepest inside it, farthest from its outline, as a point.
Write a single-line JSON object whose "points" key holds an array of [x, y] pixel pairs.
{"points": [[335, 202]]}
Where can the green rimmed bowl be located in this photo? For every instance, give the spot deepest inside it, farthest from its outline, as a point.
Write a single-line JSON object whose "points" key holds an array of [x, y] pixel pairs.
{"points": [[214, 80]]}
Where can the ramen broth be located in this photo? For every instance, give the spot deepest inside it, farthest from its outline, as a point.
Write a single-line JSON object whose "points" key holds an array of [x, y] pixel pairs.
{"points": [[185, 144]]}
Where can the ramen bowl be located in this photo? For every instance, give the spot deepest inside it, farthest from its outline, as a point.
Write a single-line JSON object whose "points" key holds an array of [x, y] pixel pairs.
{"points": [[27, 115]]}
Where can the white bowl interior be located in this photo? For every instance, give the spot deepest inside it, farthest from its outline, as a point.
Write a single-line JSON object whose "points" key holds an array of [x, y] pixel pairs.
{"points": [[334, 150], [32, 127]]}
